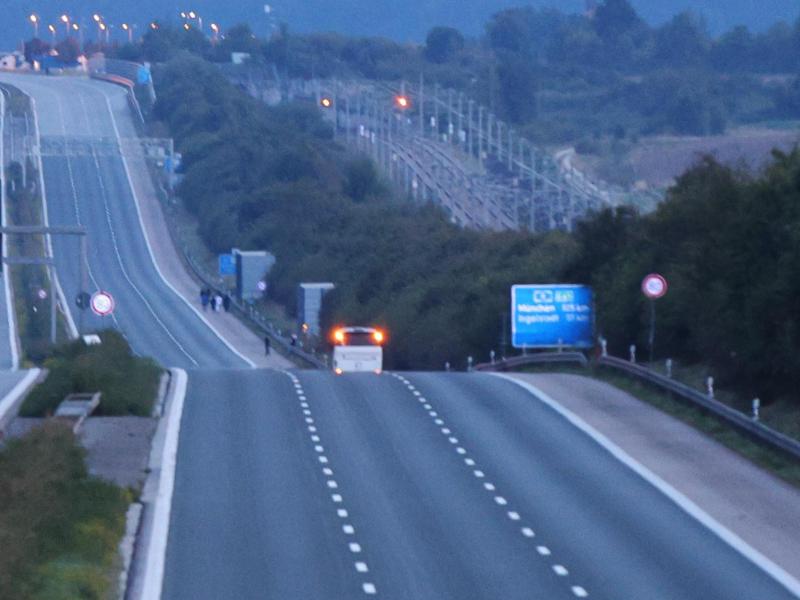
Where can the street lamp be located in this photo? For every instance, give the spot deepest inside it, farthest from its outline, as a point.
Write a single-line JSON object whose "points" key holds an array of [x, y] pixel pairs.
{"points": [[65, 21], [215, 29], [153, 25], [35, 20], [129, 30], [52, 29]]}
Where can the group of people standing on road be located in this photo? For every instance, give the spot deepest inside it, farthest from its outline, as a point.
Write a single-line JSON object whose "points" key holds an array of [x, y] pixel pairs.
{"points": [[213, 298]]}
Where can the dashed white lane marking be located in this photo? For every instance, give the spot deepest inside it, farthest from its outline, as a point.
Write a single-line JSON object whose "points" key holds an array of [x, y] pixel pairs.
{"points": [[513, 515], [579, 591], [361, 567]]}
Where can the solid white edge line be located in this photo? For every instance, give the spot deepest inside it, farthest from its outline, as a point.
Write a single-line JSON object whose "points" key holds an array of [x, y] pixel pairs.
{"points": [[156, 551], [22, 386], [688, 506], [10, 309], [147, 239], [73, 330]]}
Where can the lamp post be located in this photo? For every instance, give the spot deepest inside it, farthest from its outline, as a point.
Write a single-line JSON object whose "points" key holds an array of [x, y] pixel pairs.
{"points": [[129, 30], [65, 21], [52, 29], [215, 29], [34, 19]]}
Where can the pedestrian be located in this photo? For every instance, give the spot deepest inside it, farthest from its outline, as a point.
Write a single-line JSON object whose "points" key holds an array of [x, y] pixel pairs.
{"points": [[205, 297], [266, 344], [226, 302], [217, 302]]}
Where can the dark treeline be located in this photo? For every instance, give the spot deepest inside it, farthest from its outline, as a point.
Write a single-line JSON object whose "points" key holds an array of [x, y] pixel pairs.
{"points": [[558, 77], [273, 178]]}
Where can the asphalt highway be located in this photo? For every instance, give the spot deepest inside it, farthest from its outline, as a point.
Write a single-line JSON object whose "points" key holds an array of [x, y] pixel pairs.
{"points": [[305, 485], [91, 188], [433, 486]]}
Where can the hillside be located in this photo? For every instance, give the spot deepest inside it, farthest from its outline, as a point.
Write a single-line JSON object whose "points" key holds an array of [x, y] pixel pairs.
{"points": [[404, 21]]}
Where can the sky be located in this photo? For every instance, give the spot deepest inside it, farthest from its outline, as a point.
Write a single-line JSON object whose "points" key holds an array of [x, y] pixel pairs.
{"points": [[408, 20]]}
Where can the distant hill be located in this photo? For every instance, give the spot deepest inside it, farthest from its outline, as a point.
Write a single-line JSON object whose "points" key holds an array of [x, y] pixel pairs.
{"points": [[402, 20]]}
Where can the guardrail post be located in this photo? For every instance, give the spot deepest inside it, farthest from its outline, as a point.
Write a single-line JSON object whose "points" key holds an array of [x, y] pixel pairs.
{"points": [[669, 368], [560, 345], [710, 387], [632, 350], [491, 356], [604, 346], [469, 363], [756, 408], [447, 366]]}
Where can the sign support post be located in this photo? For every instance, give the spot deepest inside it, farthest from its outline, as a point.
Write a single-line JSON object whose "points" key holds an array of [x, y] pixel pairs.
{"points": [[654, 286]]}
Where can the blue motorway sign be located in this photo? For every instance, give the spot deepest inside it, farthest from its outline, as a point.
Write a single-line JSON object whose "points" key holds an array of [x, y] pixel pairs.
{"points": [[227, 265], [550, 316]]}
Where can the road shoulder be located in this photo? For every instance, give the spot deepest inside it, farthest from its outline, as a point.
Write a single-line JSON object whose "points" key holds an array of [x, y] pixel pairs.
{"points": [[761, 509]]}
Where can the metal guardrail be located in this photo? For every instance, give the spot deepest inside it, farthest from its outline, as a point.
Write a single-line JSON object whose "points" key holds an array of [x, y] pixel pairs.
{"points": [[756, 430], [542, 358], [255, 319]]}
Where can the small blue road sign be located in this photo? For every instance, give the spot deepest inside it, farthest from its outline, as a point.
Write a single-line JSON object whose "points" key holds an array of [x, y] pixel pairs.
{"points": [[552, 316], [227, 264]]}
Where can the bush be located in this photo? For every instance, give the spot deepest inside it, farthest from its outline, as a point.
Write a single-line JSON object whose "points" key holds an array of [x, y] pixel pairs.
{"points": [[128, 383], [59, 528]]}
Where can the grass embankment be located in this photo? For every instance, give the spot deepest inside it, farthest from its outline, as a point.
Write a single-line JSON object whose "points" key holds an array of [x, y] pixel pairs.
{"points": [[128, 383], [59, 528], [771, 460]]}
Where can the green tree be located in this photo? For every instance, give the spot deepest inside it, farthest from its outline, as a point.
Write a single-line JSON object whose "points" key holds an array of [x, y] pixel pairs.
{"points": [[442, 44]]}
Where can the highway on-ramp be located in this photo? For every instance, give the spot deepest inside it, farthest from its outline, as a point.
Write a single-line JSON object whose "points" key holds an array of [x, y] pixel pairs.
{"points": [[305, 485]]}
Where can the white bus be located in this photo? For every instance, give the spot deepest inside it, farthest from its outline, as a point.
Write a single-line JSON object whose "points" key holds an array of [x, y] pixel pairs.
{"points": [[357, 349]]}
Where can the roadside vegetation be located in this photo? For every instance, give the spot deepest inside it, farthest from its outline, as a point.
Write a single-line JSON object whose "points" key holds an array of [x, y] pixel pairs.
{"points": [[599, 80], [726, 241], [59, 528], [128, 383]]}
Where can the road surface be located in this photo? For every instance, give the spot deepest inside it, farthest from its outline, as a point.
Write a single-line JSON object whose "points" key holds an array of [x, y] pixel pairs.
{"points": [[93, 189], [471, 489]]}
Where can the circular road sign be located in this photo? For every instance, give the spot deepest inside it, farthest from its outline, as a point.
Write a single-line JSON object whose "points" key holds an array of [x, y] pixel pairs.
{"points": [[102, 303], [42, 294], [654, 286]]}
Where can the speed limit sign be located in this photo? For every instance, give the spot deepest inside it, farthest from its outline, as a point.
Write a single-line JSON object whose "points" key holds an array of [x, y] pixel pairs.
{"points": [[654, 286], [102, 303]]}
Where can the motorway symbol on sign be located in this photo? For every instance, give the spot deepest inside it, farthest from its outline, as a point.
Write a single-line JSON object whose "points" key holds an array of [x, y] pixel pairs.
{"points": [[654, 286], [42, 294], [262, 286], [102, 303]]}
